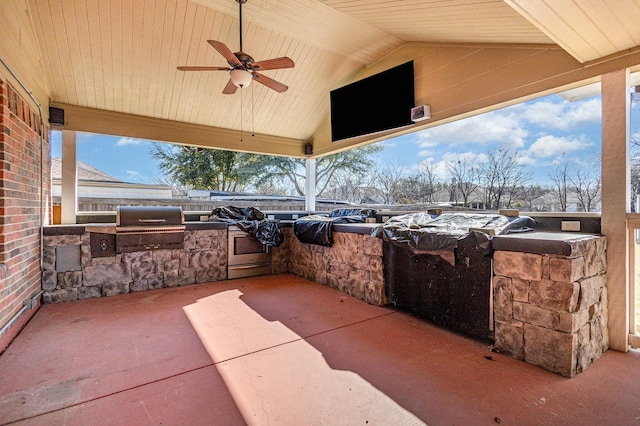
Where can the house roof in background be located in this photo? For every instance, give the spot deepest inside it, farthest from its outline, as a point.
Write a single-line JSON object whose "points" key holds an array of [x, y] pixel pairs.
{"points": [[86, 173]]}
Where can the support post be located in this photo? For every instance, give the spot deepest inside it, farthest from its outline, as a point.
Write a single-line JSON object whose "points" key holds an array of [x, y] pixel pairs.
{"points": [[310, 185], [69, 179], [616, 201]]}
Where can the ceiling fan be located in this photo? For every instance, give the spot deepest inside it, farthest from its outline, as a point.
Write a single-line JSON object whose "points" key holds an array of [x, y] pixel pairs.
{"points": [[242, 68]]}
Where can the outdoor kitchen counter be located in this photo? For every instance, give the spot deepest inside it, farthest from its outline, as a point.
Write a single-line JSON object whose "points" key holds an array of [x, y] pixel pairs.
{"points": [[558, 243], [550, 299], [103, 228], [197, 226], [549, 289], [52, 230]]}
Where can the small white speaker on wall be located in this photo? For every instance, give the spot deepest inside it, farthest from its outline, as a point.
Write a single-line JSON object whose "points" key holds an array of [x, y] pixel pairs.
{"points": [[421, 112]]}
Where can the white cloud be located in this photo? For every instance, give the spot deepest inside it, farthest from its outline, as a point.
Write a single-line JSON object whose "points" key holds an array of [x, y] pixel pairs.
{"points": [[133, 176], [425, 143], [426, 153], [526, 160], [562, 115], [553, 146], [130, 141], [473, 157], [498, 127]]}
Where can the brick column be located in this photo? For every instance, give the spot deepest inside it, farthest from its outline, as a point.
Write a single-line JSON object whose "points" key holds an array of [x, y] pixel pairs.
{"points": [[21, 186]]}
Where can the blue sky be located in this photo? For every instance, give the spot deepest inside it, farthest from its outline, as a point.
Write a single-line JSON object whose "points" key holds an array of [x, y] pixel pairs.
{"points": [[542, 130]]}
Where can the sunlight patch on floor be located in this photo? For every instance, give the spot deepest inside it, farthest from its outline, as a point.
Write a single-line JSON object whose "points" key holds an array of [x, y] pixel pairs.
{"points": [[276, 377]]}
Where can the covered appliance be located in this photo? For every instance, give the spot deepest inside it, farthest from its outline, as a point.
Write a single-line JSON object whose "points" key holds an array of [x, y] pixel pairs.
{"points": [[440, 266], [140, 228]]}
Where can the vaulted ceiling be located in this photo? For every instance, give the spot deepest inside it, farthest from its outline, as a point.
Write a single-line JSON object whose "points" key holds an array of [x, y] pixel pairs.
{"points": [[121, 56]]}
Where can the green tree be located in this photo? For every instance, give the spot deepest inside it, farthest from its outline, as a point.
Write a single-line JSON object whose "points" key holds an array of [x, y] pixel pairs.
{"points": [[292, 170], [206, 168], [235, 171]]}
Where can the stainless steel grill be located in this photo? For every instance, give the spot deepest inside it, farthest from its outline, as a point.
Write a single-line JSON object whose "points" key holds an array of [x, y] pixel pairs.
{"points": [[140, 228]]}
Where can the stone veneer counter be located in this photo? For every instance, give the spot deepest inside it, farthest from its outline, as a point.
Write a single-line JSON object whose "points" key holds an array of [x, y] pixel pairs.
{"points": [[70, 272], [108, 228], [353, 265], [549, 289], [550, 299]]}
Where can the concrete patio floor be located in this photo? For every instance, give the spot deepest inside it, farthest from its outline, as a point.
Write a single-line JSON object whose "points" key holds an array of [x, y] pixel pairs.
{"points": [[282, 350]]}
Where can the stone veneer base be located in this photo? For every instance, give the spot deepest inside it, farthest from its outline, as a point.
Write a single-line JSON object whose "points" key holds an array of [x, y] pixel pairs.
{"points": [[203, 259], [551, 310], [352, 265]]}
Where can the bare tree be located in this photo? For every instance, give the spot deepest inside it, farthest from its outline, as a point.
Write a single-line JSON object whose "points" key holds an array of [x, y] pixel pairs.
{"points": [[387, 182], [177, 188], [562, 181], [529, 193], [501, 174], [428, 180], [413, 189], [349, 186], [465, 178], [586, 185]]}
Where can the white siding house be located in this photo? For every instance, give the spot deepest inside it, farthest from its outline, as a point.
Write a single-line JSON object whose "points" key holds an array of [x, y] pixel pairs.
{"points": [[93, 183]]}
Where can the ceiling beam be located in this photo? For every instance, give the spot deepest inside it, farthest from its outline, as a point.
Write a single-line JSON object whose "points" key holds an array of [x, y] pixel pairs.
{"points": [[92, 120]]}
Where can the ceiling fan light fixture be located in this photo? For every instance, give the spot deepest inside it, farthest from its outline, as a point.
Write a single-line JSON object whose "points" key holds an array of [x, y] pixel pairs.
{"points": [[241, 78]]}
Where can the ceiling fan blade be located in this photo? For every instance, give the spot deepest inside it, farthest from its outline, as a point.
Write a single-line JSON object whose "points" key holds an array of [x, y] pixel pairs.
{"points": [[272, 64], [230, 88], [204, 68], [270, 83], [226, 52]]}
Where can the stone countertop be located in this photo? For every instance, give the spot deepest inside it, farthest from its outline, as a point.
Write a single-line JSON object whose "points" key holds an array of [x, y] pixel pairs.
{"points": [[110, 228], [355, 228], [198, 226], [350, 228], [51, 230], [561, 243]]}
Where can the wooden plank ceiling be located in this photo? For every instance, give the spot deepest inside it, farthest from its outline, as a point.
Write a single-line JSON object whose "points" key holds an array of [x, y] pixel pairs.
{"points": [[121, 55]]}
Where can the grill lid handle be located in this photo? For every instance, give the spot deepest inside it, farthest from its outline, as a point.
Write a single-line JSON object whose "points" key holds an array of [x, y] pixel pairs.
{"points": [[151, 220]]}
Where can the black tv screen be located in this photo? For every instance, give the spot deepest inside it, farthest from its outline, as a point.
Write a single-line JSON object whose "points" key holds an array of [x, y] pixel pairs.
{"points": [[380, 102]]}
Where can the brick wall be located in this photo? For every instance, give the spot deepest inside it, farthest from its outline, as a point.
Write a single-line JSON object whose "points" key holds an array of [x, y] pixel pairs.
{"points": [[20, 206]]}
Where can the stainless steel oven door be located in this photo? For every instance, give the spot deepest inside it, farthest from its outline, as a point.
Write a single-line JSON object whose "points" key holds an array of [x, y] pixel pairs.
{"points": [[247, 256]]}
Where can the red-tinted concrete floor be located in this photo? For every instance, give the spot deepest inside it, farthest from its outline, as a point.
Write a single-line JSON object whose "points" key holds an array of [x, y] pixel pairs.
{"points": [[286, 351]]}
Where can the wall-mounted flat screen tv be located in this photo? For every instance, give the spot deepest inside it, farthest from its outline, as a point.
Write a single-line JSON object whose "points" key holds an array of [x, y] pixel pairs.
{"points": [[380, 102]]}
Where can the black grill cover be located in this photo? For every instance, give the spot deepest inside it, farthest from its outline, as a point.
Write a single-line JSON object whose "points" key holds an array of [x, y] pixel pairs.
{"points": [[317, 229], [251, 220]]}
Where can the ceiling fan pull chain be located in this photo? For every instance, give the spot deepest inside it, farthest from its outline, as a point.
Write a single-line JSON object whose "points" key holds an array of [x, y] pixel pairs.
{"points": [[253, 127], [240, 114]]}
